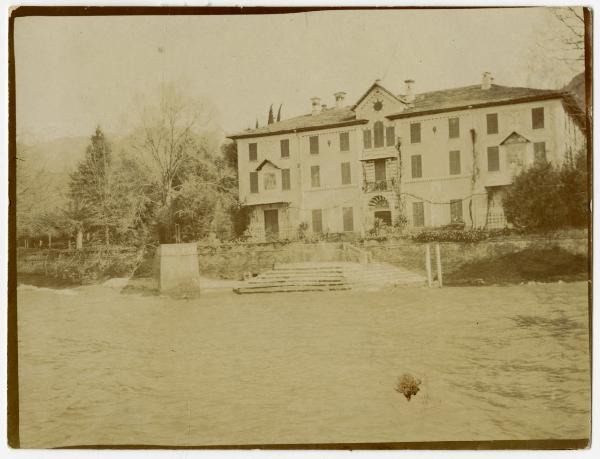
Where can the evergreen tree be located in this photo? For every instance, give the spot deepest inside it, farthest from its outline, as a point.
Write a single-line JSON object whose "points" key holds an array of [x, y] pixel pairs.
{"points": [[271, 121], [279, 113], [90, 188]]}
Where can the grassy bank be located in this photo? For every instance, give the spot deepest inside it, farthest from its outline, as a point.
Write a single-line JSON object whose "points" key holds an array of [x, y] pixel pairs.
{"points": [[531, 264]]}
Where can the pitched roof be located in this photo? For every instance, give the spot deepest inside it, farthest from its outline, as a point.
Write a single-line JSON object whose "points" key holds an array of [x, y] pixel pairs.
{"points": [[329, 117], [425, 103], [471, 96]]}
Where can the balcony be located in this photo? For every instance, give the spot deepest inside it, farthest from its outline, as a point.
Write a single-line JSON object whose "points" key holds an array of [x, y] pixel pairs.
{"points": [[379, 185]]}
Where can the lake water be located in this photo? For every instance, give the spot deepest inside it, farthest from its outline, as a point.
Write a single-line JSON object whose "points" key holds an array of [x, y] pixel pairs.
{"points": [[496, 363]]}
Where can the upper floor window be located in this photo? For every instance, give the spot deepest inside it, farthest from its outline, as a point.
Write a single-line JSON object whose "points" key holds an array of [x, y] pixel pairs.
{"points": [[314, 144], [285, 148], [253, 151], [378, 134], [390, 136], [344, 141], [367, 142], [454, 162], [492, 123], [285, 179], [269, 181], [416, 166], [315, 176], [415, 132], [454, 128], [539, 151], [537, 118], [493, 159], [253, 182], [346, 174]]}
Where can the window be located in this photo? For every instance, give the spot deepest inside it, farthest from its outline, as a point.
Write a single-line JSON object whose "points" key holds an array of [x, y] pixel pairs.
{"points": [[390, 136], [492, 123], [378, 134], [539, 151], [454, 162], [315, 176], [453, 128], [418, 214], [456, 211], [317, 221], [367, 138], [252, 151], [314, 144], [493, 157], [346, 175], [416, 166], [344, 141], [415, 132], [285, 179], [269, 181], [285, 148], [537, 118], [380, 172], [348, 218], [253, 182]]}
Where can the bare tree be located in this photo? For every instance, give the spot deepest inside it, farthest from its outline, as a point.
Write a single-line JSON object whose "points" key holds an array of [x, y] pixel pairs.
{"points": [[572, 35], [170, 135]]}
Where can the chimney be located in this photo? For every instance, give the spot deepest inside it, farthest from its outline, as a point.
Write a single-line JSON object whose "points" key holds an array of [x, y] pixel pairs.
{"points": [[486, 80], [316, 105], [339, 99], [409, 95]]}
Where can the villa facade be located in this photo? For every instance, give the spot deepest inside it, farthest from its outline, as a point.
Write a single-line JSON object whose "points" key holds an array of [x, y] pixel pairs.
{"points": [[427, 159]]}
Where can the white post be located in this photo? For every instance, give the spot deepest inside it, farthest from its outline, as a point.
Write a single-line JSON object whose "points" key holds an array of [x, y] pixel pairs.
{"points": [[428, 264], [439, 263]]}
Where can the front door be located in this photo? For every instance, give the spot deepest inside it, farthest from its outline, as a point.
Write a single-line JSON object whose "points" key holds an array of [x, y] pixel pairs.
{"points": [[384, 215], [271, 224]]}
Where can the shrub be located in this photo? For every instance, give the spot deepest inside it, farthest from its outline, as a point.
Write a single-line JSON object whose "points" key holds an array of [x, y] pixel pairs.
{"points": [[450, 235], [94, 264], [545, 197]]}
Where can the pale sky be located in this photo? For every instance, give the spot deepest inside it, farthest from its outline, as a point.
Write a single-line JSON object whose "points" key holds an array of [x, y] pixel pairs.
{"points": [[73, 73]]}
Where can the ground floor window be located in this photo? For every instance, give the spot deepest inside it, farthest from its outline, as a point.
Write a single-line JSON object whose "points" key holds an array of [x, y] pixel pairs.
{"points": [[539, 151], [456, 210], [348, 215], [317, 221], [418, 214]]}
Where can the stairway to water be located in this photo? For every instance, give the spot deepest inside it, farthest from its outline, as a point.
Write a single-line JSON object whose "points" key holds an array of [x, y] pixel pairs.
{"points": [[327, 276]]}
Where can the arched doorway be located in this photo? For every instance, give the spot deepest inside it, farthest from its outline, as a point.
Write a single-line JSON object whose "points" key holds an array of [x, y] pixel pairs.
{"points": [[381, 209]]}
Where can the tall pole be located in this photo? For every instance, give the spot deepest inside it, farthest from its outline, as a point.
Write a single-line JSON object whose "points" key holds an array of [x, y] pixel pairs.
{"points": [[438, 260], [428, 264]]}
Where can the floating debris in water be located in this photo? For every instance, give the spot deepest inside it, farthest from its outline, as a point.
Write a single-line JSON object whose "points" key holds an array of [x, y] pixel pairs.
{"points": [[408, 385]]}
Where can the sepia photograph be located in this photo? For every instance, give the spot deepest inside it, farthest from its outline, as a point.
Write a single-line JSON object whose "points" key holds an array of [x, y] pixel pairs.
{"points": [[300, 228]]}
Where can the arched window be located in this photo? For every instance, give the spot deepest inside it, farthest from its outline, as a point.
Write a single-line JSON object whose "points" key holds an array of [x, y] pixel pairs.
{"points": [[378, 134]]}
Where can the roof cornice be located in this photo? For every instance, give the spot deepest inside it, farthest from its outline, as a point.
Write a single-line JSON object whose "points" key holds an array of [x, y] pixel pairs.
{"points": [[519, 100], [293, 131]]}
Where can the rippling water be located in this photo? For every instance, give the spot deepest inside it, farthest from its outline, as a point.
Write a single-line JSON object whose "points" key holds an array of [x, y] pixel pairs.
{"points": [[496, 363]]}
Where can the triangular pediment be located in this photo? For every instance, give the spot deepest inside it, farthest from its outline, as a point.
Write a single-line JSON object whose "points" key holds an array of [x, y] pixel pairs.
{"points": [[513, 138], [267, 164], [377, 101]]}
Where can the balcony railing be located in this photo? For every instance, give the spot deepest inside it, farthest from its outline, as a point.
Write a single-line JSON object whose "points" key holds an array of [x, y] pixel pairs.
{"points": [[379, 185]]}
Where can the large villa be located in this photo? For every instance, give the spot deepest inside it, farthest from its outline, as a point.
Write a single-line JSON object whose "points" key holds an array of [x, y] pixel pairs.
{"points": [[426, 160]]}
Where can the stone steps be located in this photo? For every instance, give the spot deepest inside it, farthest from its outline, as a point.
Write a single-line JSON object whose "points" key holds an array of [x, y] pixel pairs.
{"points": [[324, 276]]}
